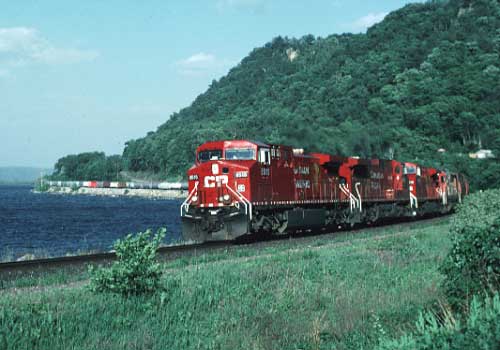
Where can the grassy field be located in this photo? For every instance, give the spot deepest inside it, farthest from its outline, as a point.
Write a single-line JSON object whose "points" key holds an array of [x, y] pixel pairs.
{"points": [[342, 293]]}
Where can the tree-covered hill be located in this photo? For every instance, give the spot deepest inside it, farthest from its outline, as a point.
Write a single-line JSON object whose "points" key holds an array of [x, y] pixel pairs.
{"points": [[425, 78]]}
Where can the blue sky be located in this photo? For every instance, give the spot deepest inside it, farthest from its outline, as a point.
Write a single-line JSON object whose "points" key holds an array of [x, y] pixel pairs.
{"points": [[89, 75]]}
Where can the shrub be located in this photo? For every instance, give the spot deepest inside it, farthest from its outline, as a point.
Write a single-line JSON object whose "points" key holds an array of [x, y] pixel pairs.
{"points": [[479, 331], [136, 270], [41, 186], [473, 264]]}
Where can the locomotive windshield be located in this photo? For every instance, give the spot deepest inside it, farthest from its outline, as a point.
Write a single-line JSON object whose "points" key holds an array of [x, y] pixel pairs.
{"points": [[205, 156], [408, 169], [240, 154]]}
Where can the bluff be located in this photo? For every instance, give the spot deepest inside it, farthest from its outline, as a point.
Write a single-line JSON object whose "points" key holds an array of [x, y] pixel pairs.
{"points": [[425, 78]]}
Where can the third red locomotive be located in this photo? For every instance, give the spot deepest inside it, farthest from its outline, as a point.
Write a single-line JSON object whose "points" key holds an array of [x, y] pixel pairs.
{"points": [[241, 187]]}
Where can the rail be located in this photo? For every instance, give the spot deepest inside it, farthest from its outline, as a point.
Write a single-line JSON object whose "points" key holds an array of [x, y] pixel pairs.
{"points": [[81, 260], [166, 252]]}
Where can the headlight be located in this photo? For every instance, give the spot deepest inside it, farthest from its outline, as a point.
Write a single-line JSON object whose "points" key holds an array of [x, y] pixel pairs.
{"points": [[194, 199], [241, 174], [193, 177], [226, 197]]}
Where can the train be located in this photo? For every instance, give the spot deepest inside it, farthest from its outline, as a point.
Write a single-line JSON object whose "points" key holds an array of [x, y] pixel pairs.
{"points": [[241, 188], [120, 184]]}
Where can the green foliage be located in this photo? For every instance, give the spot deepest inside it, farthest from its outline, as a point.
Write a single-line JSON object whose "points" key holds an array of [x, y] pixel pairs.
{"points": [[424, 78], [88, 166], [480, 330], [136, 271], [473, 264], [41, 185]]}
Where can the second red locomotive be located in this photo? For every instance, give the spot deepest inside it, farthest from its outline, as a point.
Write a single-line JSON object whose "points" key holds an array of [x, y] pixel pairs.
{"points": [[242, 187]]}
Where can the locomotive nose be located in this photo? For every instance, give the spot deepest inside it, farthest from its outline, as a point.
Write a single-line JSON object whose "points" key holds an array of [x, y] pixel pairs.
{"points": [[220, 183]]}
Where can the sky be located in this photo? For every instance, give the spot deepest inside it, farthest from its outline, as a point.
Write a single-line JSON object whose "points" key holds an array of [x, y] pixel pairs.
{"points": [[78, 76]]}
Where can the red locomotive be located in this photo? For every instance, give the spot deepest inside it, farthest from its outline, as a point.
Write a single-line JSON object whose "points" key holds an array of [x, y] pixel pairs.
{"points": [[242, 187]]}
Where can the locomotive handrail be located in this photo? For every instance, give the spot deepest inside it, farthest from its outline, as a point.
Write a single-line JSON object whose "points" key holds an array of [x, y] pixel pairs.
{"points": [[185, 204], [443, 196], [359, 195], [347, 193], [413, 201], [241, 198], [354, 202]]}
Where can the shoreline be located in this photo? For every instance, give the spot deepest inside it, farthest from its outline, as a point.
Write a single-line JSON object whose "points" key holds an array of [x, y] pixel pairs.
{"points": [[119, 192]]}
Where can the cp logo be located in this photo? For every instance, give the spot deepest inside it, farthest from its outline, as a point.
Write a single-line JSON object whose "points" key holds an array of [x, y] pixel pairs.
{"points": [[210, 181]]}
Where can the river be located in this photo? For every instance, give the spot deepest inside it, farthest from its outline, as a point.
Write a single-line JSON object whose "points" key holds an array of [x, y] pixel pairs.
{"points": [[55, 225]]}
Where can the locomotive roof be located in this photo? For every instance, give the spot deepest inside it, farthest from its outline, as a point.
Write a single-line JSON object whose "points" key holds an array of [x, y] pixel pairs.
{"points": [[260, 144], [224, 143], [323, 157]]}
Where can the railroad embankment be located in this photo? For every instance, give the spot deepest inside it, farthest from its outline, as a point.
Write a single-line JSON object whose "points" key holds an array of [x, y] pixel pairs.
{"points": [[115, 192], [343, 291]]}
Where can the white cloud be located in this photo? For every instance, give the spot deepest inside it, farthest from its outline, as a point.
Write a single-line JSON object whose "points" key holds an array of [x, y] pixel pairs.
{"points": [[203, 63], [22, 45], [199, 59], [255, 6], [363, 23]]}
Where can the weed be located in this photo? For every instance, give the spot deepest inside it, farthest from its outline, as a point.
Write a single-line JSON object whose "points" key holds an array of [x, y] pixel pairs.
{"points": [[479, 330], [136, 271]]}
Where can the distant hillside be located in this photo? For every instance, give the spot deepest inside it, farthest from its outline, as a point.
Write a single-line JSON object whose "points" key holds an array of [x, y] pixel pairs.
{"points": [[425, 78], [21, 174]]}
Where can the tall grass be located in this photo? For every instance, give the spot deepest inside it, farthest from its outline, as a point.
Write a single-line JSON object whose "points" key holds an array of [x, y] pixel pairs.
{"points": [[324, 296]]}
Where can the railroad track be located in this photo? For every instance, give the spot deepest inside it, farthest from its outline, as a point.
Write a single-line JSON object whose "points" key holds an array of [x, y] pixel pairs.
{"points": [[173, 252], [169, 252]]}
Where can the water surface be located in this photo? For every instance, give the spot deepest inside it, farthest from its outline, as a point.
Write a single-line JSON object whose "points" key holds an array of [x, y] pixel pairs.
{"points": [[55, 225]]}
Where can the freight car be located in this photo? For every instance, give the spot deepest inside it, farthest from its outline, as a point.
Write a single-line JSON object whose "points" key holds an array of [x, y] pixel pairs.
{"points": [[240, 187], [131, 185]]}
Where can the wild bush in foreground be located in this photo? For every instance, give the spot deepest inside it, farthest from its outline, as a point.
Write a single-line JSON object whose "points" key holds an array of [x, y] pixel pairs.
{"points": [[473, 264], [136, 271], [479, 331]]}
